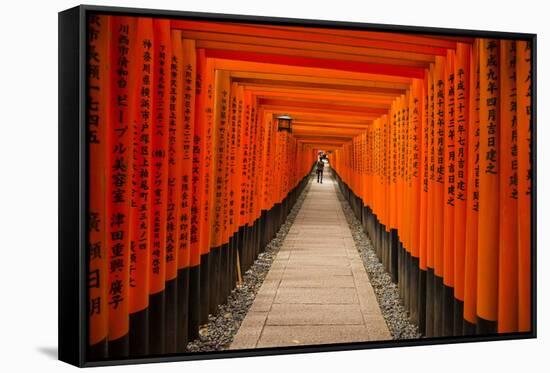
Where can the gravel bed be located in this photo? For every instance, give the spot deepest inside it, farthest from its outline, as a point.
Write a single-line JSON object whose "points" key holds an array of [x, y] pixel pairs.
{"points": [[218, 334], [387, 293]]}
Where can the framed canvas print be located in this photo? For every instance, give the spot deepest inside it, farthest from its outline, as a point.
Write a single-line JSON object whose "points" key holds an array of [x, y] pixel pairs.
{"points": [[235, 185]]}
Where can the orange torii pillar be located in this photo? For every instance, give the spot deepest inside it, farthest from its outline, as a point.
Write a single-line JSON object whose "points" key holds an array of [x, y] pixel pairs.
{"points": [[449, 193], [472, 197], [97, 122], [526, 215], [489, 173], [462, 124], [118, 183]]}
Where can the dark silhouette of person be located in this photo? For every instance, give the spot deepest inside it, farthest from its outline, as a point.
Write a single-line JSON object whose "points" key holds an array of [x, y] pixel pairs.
{"points": [[320, 166]]}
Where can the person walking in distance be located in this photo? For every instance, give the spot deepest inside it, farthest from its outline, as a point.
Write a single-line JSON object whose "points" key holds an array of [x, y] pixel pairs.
{"points": [[320, 166]]}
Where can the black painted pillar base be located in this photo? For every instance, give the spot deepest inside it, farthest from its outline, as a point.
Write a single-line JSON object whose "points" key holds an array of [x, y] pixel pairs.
{"points": [[422, 276], [157, 323], [468, 328], [98, 351], [258, 249], [171, 325], [407, 282], [430, 302], [222, 280], [486, 327], [139, 333], [182, 313], [194, 301], [438, 306], [458, 317], [120, 347], [212, 272], [394, 251], [414, 273], [448, 311]]}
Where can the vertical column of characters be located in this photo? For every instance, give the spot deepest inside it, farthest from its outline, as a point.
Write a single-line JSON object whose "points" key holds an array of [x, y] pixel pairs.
{"points": [[245, 153], [220, 128], [198, 198], [288, 160], [449, 192], [236, 158], [97, 121], [237, 236], [219, 192], [227, 188], [424, 198], [472, 200], [438, 198], [256, 167], [237, 183], [508, 187], [397, 127], [208, 158], [376, 168], [255, 184], [363, 169], [407, 185], [415, 135], [489, 155], [353, 171], [438, 192], [141, 114], [406, 170], [279, 151], [272, 168], [393, 123], [364, 159], [282, 165], [176, 330], [373, 155], [424, 175], [387, 158], [186, 192], [404, 213], [263, 138], [252, 178], [187, 92], [229, 197], [463, 123], [401, 166], [229, 164], [207, 212], [359, 166], [118, 178], [525, 125], [439, 172], [430, 234], [368, 159], [162, 50], [356, 164]]}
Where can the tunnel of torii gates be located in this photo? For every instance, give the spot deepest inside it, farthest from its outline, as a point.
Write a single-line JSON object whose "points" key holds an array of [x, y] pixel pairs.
{"points": [[190, 177]]}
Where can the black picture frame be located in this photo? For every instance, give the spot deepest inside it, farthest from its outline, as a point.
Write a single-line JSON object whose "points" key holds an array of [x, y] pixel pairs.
{"points": [[73, 187]]}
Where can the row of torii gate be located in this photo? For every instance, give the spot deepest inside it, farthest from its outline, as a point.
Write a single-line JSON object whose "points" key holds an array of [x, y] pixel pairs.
{"points": [[208, 172]]}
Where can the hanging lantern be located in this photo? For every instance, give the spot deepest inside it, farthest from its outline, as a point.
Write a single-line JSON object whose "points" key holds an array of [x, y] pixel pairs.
{"points": [[284, 123]]}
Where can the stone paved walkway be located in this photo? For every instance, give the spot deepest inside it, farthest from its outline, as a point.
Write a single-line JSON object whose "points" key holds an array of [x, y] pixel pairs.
{"points": [[317, 290]]}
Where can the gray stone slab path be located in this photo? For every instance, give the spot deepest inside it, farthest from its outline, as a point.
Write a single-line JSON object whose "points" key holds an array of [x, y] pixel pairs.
{"points": [[317, 290]]}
